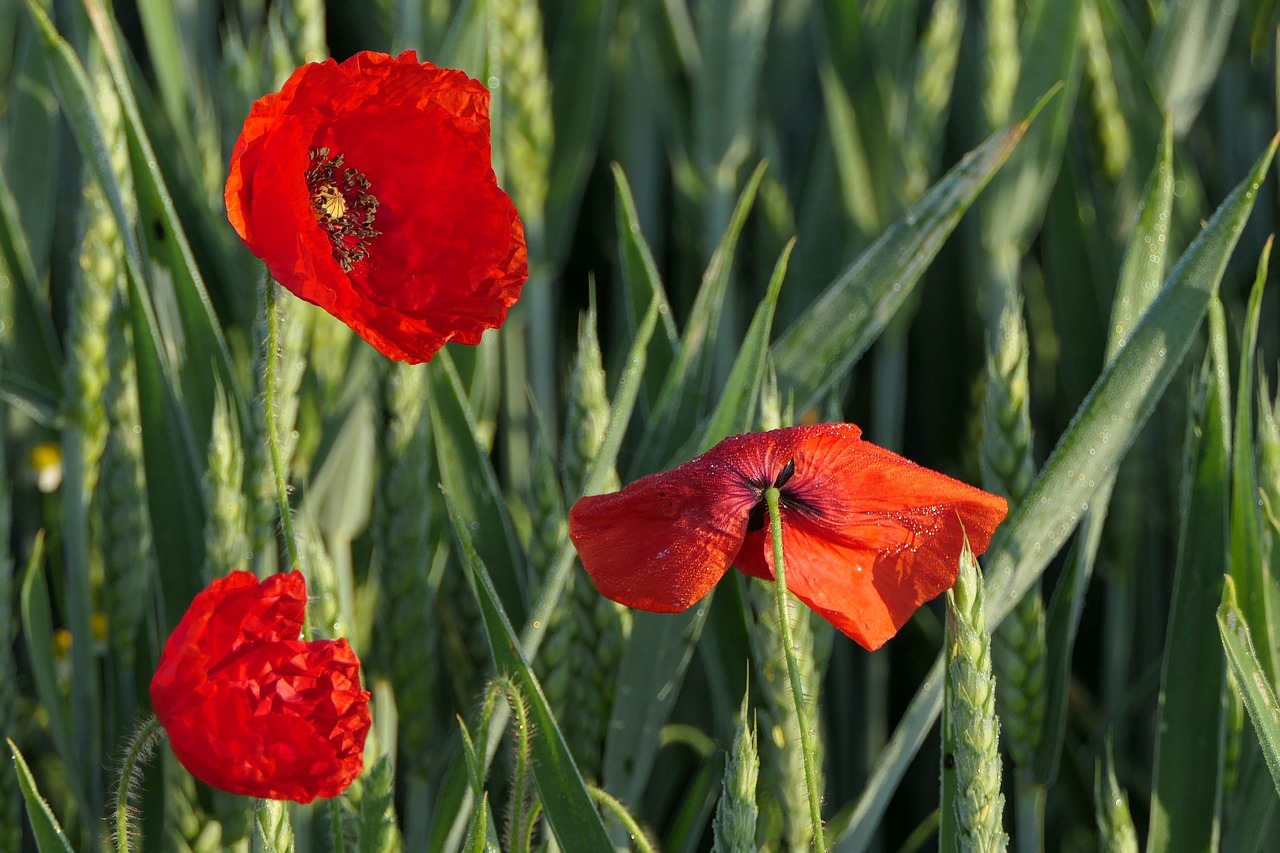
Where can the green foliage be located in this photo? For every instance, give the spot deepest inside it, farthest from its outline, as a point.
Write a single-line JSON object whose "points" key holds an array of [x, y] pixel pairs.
{"points": [[681, 286]]}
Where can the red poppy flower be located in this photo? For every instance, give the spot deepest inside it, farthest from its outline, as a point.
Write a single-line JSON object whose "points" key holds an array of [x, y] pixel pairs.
{"points": [[868, 536], [368, 189], [250, 708]]}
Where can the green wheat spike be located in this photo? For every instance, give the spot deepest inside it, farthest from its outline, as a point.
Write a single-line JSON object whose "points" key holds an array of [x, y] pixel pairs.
{"points": [[548, 521], [272, 829], [100, 277], [120, 501], [1115, 826], [601, 629], [931, 95], [324, 610], [1003, 63], [403, 543], [979, 802], [783, 786], [226, 540], [88, 314], [736, 813], [587, 414], [585, 639], [1113, 131], [329, 344], [1020, 648], [527, 133]]}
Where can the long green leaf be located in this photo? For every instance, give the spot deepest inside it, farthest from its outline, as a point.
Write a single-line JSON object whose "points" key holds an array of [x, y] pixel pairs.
{"points": [[1253, 682], [820, 347], [564, 795], [468, 475], [30, 359], [37, 630], [1249, 567], [1100, 434], [1185, 796], [48, 834], [643, 285]]}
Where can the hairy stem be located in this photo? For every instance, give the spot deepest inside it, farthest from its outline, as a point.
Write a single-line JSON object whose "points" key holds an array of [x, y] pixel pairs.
{"points": [[143, 740], [273, 427]]}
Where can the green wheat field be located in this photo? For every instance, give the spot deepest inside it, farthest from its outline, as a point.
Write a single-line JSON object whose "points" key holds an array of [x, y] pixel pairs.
{"points": [[1022, 242]]}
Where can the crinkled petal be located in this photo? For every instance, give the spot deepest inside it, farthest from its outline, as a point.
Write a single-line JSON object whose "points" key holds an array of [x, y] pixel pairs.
{"points": [[250, 708]]}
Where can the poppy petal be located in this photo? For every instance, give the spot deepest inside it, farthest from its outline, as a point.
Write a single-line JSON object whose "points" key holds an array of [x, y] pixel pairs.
{"points": [[368, 189], [250, 708], [664, 541]]}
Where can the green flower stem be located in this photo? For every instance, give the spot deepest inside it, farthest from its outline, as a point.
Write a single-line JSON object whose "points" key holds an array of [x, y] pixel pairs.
{"points": [[273, 428], [138, 751], [807, 745], [619, 811]]}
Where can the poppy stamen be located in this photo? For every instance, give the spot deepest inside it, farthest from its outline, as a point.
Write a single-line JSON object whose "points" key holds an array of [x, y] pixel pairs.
{"points": [[343, 206]]}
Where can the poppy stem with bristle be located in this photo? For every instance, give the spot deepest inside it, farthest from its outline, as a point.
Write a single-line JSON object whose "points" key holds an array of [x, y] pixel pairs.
{"points": [[807, 745], [139, 748], [269, 384]]}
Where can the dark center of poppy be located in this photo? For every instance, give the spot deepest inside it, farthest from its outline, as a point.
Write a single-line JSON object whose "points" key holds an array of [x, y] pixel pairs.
{"points": [[787, 498], [343, 206]]}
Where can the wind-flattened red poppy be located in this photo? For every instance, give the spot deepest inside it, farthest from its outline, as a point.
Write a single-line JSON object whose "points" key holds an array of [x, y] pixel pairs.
{"points": [[252, 709], [867, 535], [368, 189]]}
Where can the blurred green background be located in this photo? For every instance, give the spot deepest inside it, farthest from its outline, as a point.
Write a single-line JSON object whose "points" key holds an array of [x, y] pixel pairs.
{"points": [[964, 285]]}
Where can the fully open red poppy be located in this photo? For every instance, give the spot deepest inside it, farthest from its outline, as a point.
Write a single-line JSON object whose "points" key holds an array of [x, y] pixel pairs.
{"points": [[368, 189], [868, 536], [250, 708]]}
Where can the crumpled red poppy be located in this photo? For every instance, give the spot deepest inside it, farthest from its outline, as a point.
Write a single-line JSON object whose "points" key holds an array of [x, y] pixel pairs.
{"points": [[368, 189], [252, 709], [867, 535]]}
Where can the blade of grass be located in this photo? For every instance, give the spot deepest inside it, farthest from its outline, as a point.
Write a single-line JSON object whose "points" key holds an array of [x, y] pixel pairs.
{"points": [[30, 361], [1186, 789], [643, 286], [37, 631], [468, 475], [49, 836], [1249, 567], [1254, 682]]}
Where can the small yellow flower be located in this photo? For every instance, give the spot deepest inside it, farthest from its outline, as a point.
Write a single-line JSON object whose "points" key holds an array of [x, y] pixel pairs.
{"points": [[46, 459]]}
